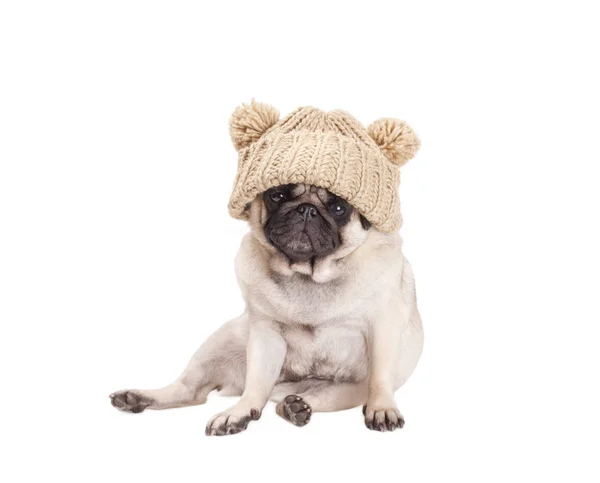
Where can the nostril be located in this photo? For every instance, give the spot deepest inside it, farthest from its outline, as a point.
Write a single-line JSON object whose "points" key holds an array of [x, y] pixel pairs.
{"points": [[307, 210]]}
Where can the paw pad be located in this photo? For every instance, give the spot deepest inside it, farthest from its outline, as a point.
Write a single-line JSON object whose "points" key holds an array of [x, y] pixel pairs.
{"points": [[295, 410], [129, 401]]}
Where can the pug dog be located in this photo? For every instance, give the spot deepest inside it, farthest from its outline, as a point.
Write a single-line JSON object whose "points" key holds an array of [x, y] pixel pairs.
{"points": [[331, 320]]}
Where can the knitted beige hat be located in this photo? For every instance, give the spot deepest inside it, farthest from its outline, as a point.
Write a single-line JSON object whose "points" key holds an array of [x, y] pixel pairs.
{"points": [[331, 150]]}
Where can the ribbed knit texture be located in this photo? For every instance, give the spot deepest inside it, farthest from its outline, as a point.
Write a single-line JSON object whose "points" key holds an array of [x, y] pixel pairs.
{"points": [[331, 150]]}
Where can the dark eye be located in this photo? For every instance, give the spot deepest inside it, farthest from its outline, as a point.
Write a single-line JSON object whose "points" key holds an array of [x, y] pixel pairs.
{"points": [[277, 197], [338, 209]]}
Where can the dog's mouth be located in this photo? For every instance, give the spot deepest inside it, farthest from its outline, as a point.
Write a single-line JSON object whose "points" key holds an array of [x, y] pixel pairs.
{"points": [[301, 240]]}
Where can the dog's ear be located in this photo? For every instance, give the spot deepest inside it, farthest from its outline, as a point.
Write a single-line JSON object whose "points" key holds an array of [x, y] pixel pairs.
{"points": [[397, 140], [250, 121]]}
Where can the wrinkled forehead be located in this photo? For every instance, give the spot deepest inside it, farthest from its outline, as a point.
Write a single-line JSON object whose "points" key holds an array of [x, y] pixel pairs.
{"points": [[307, 190]]}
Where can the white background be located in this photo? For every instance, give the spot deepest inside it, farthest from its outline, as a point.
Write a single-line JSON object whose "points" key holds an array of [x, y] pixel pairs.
{"points": [[116, 256]]}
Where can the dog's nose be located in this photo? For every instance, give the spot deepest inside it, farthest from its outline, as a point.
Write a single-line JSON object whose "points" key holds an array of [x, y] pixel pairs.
{"points": [[307, 210]]}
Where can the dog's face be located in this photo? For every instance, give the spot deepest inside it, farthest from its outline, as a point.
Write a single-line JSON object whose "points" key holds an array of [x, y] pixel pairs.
{"points": [[305, 222]]}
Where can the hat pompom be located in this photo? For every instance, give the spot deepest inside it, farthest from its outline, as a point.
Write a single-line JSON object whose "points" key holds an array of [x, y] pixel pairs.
{"points": [[250, 121], [396, 138]]}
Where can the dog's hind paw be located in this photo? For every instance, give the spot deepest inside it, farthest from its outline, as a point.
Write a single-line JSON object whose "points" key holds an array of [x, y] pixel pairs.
{"points": [[295, 410], [129, 401]]}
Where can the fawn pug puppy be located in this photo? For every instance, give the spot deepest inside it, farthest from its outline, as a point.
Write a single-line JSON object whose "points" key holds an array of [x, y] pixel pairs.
{"points": [[331, 319]]}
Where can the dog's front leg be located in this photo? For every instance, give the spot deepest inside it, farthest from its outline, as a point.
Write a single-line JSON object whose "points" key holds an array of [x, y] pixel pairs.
{"points": [[381, 412], [264, 359]]}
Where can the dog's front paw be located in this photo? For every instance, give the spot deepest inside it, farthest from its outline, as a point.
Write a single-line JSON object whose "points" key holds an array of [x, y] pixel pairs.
{"points": [[382, 419], [295, 410], [129, 401], [232, 421]]}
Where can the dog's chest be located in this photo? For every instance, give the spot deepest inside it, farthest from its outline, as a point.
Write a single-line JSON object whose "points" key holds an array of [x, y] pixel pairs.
{"points": [[297, 300], [337, 353]]}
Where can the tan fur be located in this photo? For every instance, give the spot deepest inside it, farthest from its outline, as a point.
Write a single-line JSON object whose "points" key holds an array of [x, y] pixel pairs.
{"points": [[325, 334], [342, 333]]}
